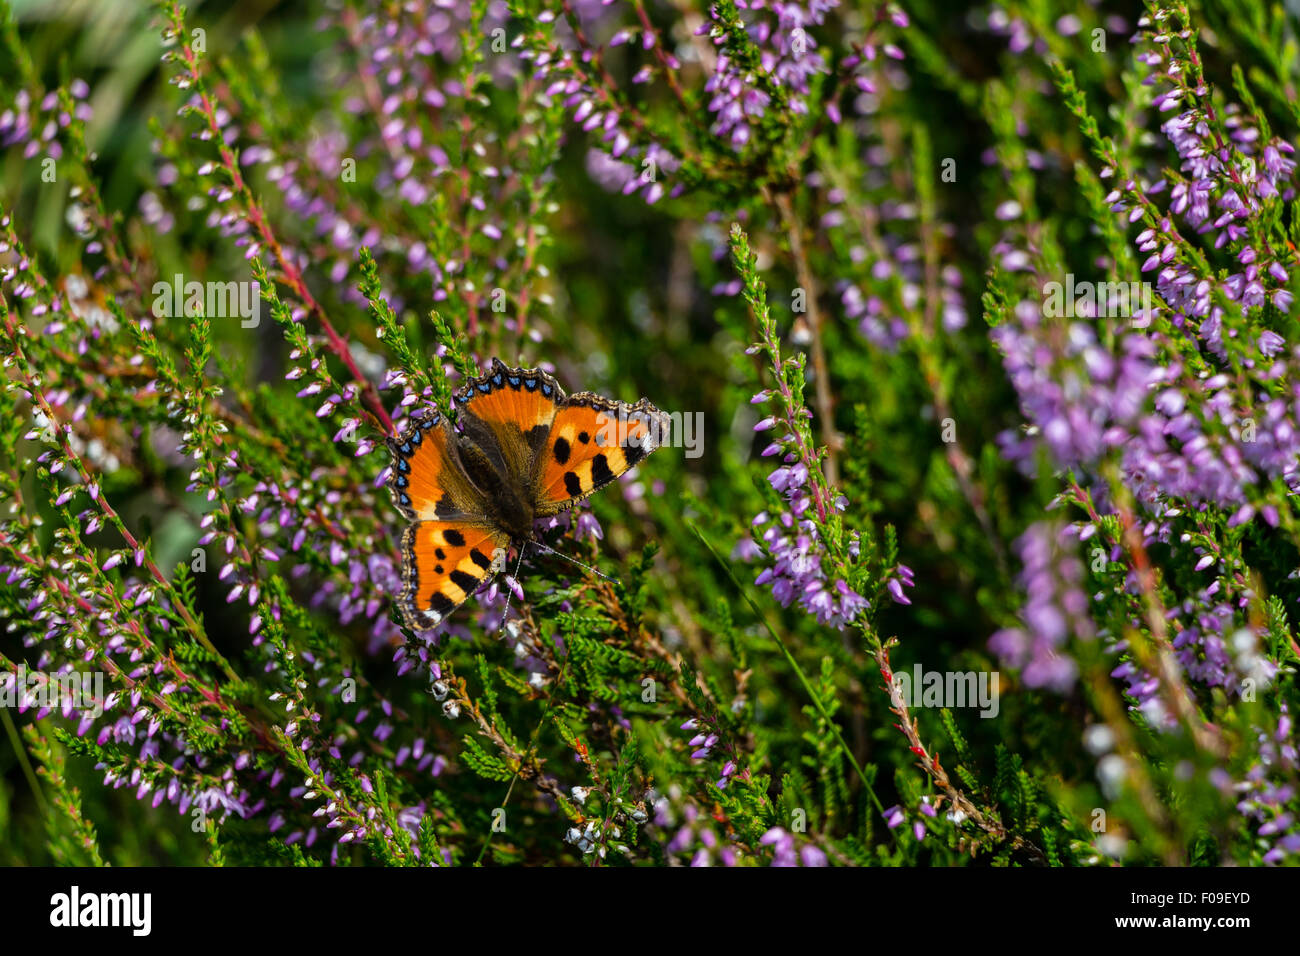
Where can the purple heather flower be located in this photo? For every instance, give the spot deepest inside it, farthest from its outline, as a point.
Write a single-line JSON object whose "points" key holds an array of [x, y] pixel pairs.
{"points": [[1055, 611]]}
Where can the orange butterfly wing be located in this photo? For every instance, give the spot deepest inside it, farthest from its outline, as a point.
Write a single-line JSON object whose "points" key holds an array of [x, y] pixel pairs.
{"points": [[517, 405], [592, 441], [425, 483], [443, 563], [450, 549]]}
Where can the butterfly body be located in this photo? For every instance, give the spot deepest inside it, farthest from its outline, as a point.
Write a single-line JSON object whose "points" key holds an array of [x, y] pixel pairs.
{"points": [[506, 503], [523, 450]]}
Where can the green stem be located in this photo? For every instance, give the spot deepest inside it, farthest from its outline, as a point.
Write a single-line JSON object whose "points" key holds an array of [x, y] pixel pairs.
{"points": [[21, 751], [803, 679]]}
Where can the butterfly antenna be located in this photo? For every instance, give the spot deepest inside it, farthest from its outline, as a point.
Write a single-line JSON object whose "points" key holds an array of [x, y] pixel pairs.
{"points": [[573, 561], [510, 591]]}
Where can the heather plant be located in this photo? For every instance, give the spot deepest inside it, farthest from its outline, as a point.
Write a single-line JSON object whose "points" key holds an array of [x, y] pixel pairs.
{"points": [[985, 554]]}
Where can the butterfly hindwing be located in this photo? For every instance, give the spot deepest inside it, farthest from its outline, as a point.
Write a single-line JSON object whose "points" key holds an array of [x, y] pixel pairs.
{"points": [[443, 563], [592, 441]]}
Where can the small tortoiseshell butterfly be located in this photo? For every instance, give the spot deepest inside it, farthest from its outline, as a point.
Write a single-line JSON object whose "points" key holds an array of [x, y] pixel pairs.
{"points": [[523, 450]]}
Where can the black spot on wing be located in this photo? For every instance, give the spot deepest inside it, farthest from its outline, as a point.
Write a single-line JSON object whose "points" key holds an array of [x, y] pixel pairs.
{"points": [[441, 603], [453, 538], [466, 582], [481, 559], [561, 451], [600, 473], [572, 484]]}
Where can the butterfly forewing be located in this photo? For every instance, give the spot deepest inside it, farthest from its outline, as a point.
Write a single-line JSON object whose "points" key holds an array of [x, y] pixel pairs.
{"points": [[592, 441], [518, 406], [426, 482]]}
